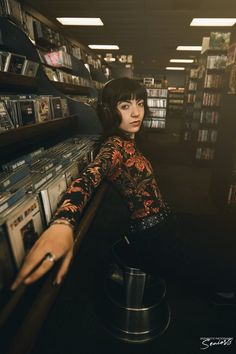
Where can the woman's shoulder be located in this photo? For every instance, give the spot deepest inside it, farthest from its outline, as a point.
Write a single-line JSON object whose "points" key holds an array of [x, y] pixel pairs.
{"points": [[113, 141]]}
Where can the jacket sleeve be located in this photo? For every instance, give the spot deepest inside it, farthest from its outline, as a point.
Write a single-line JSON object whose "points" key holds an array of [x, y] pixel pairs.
{"points": [[76, 197]]}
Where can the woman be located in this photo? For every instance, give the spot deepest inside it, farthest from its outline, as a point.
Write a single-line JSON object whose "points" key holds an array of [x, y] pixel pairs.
{"points": [[152, 225]]}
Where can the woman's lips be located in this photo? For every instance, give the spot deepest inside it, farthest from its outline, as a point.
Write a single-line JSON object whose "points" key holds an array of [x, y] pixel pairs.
{"points": [[136, 123]]}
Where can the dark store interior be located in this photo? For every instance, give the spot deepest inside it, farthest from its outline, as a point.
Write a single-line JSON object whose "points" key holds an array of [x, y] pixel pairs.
{"points": [[51, 88]]}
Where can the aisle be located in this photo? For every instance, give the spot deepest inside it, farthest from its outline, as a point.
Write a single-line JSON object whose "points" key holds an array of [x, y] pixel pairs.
{"points": [[184, 184], [72, 326]]}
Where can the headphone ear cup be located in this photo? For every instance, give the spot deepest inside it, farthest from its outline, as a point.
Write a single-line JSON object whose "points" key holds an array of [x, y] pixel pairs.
{"points": [[107, 112], [105, 115], [103, 108]]}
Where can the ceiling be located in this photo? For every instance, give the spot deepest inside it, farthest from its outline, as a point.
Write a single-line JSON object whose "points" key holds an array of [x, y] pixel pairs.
{"points": [[150, 30]]}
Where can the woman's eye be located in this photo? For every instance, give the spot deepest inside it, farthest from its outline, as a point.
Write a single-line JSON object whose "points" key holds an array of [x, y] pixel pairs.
{"points": [[125, 106], [141, 104]]}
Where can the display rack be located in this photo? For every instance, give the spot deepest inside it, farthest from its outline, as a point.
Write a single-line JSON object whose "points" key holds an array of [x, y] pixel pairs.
{"points": [[223, 182], [187, 127], [175, 101], [157, 104], [207, 106], [27, 308]]}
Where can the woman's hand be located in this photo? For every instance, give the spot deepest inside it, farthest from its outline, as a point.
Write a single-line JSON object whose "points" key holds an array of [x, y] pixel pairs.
{"points": [[57, 240]]}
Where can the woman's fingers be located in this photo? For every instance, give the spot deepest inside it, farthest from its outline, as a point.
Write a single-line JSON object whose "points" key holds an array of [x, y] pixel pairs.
{"points": [[57, 241], [44, 267], [64, 267], [27, 273], [47, 264]]}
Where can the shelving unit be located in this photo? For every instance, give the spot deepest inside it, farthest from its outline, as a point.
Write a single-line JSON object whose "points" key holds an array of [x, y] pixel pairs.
{"points": [[13, 82], [175, 101], [26, 309], [187, 127], [208, 102], [157, 104], [207, 107], [223, 182], [71, 89]]}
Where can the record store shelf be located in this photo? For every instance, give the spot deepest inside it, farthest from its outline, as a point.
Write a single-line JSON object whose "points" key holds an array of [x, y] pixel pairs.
{"points": [[25, 310], [71, 89], [16, 140], [10, 81]]}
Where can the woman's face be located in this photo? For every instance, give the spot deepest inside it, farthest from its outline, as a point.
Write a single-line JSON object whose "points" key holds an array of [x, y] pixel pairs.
{"points": [[132, 113]]}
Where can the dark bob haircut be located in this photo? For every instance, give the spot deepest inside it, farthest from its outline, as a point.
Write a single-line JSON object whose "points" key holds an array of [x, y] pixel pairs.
{"points": [[115, 91]]}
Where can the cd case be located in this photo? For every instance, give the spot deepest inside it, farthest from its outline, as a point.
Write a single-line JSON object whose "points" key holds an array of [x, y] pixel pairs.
{"points": [[5, 119], [43, 109], [51, 195], [14, 63], [29, 68], [24, 226], [26, 112]]}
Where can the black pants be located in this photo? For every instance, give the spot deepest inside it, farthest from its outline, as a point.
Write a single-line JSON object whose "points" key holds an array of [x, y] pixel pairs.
{"points": [[159, 250]]}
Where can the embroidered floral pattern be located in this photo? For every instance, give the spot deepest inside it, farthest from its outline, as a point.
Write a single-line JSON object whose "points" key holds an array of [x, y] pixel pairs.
{"points": [[129, 171]]}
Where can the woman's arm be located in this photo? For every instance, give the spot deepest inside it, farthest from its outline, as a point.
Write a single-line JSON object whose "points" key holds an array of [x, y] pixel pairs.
{"points": [[81, 190], [58, 239]]}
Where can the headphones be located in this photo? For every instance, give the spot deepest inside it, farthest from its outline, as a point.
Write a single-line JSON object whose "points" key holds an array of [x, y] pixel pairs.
{"points": [[100, 101], [106, 116]]}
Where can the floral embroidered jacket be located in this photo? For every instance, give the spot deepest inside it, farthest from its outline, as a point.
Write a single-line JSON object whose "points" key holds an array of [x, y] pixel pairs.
{"points": [[127, 169]]}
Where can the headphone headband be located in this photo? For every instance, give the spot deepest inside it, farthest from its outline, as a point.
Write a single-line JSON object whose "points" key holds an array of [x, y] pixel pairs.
{"points": [[100, 101]]}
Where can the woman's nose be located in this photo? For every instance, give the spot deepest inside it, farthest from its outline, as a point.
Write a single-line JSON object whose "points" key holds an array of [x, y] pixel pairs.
{"points": [[135, 110]]}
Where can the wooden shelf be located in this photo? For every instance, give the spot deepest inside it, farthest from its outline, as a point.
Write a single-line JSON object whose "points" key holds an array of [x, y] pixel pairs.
{"points": [[10, 81], [71, 89], [210, 51], [13, 136], [14, 141]]}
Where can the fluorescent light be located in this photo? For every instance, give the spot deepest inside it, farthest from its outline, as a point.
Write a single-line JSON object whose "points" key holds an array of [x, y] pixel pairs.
{"points": [[189, 47], [104, 46], [109, 59], [175, 68], [80, 21], [207, 22], [181, 60]]}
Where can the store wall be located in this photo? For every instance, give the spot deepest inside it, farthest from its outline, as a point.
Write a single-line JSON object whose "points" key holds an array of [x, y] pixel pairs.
{"points": [[175, 78], [118, 69]]}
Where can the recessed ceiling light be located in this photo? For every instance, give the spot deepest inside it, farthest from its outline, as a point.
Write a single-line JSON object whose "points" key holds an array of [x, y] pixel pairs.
{"points": [[110, 59], [175, 68], [189, 47], [213, 22], [104, 46], [80, 21], [181, 60]]}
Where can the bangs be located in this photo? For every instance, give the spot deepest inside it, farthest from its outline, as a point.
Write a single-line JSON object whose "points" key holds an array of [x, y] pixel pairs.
{"points": [[132, 93], [123, 89]]}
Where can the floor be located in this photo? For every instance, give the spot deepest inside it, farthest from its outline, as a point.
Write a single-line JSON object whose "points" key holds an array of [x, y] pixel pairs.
{"points": [[73, 326]]}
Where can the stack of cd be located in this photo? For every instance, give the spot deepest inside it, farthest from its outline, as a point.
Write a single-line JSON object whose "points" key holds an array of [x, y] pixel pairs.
{"points": [[31, 188]]}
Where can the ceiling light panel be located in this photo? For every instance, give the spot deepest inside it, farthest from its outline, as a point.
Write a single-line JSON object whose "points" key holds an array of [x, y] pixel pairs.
{"points": [[80, 21], [181, 60], [214, 22], [175, 68], [189, 47], [104, 46]]}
